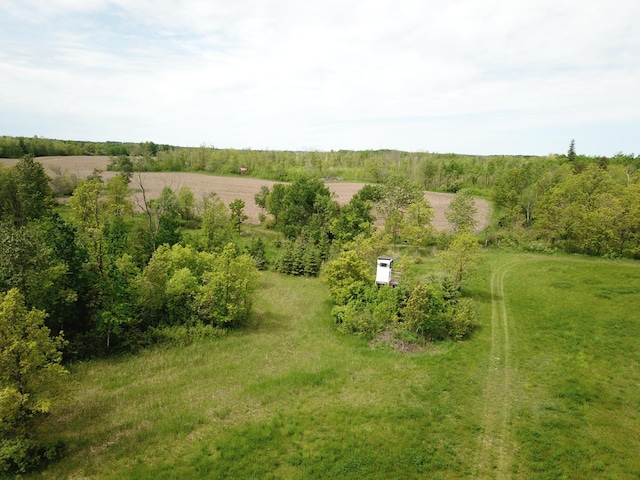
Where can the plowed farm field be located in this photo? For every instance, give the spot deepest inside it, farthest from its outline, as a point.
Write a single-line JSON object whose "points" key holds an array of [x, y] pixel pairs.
{"points": [[228, 188]]}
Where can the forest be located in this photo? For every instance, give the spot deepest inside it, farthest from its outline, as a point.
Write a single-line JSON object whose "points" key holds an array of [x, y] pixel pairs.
{"points": [[101, 275]]}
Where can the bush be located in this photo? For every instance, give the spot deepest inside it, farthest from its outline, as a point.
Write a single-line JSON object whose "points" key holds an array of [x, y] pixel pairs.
{"points": [[462, 319], [435, 311], [360, 322], [257, 250], [21, 455], [375, 310]]}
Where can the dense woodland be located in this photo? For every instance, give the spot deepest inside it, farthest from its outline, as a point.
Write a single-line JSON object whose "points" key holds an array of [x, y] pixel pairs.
{"points": [[94, 278]]}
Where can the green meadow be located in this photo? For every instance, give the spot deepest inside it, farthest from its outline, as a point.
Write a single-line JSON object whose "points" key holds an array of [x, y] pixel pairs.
{"points": [[548, 387]]}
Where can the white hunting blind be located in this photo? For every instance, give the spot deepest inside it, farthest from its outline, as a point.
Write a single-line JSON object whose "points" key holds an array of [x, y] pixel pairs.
{"points": [[383, 271]]}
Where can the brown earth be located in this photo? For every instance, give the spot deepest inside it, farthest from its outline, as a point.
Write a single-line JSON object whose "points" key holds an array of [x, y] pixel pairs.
{"points": [[230, 188]]}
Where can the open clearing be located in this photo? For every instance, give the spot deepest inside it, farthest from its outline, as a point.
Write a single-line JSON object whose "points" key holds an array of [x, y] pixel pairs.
{"points": [[230, 188], [547, 388]]}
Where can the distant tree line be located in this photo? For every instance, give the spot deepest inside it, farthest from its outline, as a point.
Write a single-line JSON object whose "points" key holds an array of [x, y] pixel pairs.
{"points": [[17, 147], [446, 172]]}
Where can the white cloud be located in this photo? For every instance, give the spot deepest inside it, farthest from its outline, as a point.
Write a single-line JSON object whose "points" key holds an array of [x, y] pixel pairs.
{"points": [[435, 75]]}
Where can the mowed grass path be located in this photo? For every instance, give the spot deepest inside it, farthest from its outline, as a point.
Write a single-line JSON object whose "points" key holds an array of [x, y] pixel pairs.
{"points": [[547, 388]]}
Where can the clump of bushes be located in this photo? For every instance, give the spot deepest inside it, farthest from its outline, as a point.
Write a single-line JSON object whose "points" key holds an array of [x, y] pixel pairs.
{"points": [[434, 309], [437, 311]]}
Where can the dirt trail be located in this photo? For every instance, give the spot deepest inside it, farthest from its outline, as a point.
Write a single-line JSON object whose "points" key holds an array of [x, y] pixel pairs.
{"points": [[496, 447]]}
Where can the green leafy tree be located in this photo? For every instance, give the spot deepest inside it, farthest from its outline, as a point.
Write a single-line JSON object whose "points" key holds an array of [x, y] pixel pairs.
{"points": [[31, 376], [425, 312], [8, 194], [165, 218], [257, 250], [225, 297], [398, 192], [24, 192], [305, 202], [216, 223], [118, 202], [461, 213], [123, 164], [583, 213], [275, 202], [162, 215], [186, 204], [63, 182], [356, 217], [87, 209], [629, 230], [374, 310], [461, 258], [237, 216], [154, 298], [261, 197], [118, 301], [181, 290], [64, 246], [34, 195], [417, 227], [370, 247], [437, 313], [181, 285], [347, 277], [30, 265]]}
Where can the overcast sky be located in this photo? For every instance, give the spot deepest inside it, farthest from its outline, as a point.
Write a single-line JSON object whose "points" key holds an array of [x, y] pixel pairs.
{"points": [[463, 76]]}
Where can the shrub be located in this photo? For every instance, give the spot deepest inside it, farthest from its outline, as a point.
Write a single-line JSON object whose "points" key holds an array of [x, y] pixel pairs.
{"points": [[21, 455], [361, 322], [256, 250], [462, 319], [425, 311], [435, 311]]}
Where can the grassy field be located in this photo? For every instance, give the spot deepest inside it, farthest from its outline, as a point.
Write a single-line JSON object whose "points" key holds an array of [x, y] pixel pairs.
{"points": [[549, 387]]}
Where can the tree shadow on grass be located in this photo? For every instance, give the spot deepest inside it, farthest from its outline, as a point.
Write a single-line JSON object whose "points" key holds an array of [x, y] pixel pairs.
{"points": [[266, 321]]}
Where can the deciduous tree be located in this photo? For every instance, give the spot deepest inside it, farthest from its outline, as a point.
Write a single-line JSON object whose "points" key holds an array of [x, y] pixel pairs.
{"points": [[417, 227], [237, 213], [347, 276], [461, 212], [225, 297], [87, 209], [31, 373], [398, 192], [216, 223], [462, 256]]}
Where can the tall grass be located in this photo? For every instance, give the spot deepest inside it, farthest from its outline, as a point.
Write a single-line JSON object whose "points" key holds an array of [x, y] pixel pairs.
{"points": [[289, 397]]}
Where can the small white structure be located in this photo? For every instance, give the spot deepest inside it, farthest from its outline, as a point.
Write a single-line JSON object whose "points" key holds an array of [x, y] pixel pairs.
{"points": [[383, 272]]}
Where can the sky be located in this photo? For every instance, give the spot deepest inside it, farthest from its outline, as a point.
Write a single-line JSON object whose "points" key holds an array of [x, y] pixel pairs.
{"points": [[477, 77]]}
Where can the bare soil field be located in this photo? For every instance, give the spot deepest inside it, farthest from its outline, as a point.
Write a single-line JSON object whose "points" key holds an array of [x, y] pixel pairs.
{"points": [[230, 188]]}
